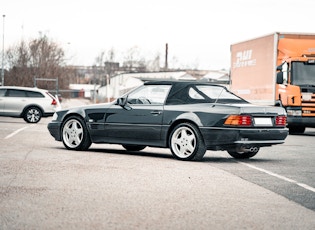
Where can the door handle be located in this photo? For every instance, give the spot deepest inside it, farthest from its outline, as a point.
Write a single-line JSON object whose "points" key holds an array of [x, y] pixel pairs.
{"points": [[156, 112]]}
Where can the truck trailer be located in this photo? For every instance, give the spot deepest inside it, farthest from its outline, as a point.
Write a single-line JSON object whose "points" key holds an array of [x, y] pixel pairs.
{"points": [[278, 70]]}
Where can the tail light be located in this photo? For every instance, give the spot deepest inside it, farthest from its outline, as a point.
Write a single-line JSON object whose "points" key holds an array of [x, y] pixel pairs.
{"points": [[239, 120], [281, 121], [54, 102]]}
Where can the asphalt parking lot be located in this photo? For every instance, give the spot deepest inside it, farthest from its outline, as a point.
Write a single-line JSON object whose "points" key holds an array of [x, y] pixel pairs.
{"points": [[45, 186]]}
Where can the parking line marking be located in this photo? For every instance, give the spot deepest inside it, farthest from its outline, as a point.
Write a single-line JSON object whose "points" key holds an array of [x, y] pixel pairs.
{"points": [[305, 186], [16, 132]]}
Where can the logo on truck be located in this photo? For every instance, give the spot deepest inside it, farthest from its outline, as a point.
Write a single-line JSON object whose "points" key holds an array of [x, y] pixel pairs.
{"points": [[244, 59]]}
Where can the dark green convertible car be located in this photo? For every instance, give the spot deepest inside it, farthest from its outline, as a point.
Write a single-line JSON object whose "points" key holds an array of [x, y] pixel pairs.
{"points": [[189, 117]]}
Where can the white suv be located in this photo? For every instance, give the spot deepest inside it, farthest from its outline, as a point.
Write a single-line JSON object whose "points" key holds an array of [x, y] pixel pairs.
{"points": [[30, 103]]}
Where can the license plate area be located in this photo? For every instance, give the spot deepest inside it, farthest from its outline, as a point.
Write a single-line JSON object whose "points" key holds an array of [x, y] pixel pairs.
{"points": [[262, 121]]}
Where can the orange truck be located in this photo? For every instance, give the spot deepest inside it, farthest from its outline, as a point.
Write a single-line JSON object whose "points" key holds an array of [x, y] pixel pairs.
{"points": [[277, 69]]}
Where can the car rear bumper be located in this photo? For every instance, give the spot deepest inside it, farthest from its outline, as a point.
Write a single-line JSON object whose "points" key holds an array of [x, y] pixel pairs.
{"points": [[225, 138], [55, 130]]}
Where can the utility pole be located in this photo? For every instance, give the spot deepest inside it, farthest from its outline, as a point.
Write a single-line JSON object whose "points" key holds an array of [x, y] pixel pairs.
{"points": [[2, 68], [166, 57], [107, 88]]}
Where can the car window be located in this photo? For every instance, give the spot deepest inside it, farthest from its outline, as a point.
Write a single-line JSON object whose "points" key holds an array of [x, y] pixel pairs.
{"points": [[34, 94], [15, 93], [194, 94], [219, 94], [2, 92], [149, 94]]}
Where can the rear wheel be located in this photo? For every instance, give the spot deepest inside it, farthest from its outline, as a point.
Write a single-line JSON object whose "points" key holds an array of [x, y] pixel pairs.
{"points": [[32, 114], [186, 142], [134, 147], [75, 135]]}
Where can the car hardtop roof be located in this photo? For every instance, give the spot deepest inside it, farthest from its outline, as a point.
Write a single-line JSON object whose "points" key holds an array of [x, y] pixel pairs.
{"points": [[180, 82], [23, 88]]}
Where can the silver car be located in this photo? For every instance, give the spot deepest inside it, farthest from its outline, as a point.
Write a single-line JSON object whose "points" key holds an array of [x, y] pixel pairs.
{"points": [[29, 103]]}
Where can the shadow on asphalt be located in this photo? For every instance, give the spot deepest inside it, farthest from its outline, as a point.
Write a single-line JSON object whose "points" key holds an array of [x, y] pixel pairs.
{"points": [[310, 134], [233, 160], [125, 152], [132, 153], [206, 159], [15, 122]]}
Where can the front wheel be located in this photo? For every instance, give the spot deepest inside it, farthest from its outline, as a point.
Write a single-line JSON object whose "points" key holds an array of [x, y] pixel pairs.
{"points": [[32, 115], [186, 142], [75, 134]]}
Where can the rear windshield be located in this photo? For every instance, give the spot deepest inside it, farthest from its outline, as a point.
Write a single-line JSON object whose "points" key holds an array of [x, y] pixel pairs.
{"points": [[219, 94], [194, 94]]}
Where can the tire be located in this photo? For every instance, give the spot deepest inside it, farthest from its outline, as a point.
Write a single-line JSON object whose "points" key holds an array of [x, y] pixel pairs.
{"points": [[186, 142], [242, 154], [32, 114], [293, 130], [75, 135], [134, 147]]}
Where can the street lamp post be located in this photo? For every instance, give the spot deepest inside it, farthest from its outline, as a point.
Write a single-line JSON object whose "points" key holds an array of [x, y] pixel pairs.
{"points": [[2, 68]]}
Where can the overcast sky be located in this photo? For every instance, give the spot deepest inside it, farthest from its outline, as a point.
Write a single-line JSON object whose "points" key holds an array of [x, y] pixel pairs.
{"points": [[198, 32]]}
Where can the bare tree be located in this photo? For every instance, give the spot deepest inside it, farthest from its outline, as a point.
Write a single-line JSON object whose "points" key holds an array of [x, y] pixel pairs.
{"points": [[154, 65], [39, 58], [105, 66], [104, 56], [131, 58], [99, 60]]}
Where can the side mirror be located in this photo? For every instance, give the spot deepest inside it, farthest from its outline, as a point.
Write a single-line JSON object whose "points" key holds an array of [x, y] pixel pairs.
{"points": [[122, 101], [280, 78]]}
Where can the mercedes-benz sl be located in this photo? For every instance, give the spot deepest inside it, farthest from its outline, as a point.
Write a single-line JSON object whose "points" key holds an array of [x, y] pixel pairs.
{"points": [[188, 117]]}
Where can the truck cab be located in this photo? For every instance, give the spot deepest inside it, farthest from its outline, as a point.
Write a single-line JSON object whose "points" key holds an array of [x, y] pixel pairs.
{"points": [[295, 88]]}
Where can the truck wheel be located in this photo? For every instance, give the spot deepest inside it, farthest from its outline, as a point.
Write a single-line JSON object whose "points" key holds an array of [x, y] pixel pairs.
{"points": [[296, 130], [75, 135], [186, 142]]}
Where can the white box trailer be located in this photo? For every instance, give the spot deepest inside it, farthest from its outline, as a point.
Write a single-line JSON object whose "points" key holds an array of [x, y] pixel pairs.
{"points": [[277, 69]]}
